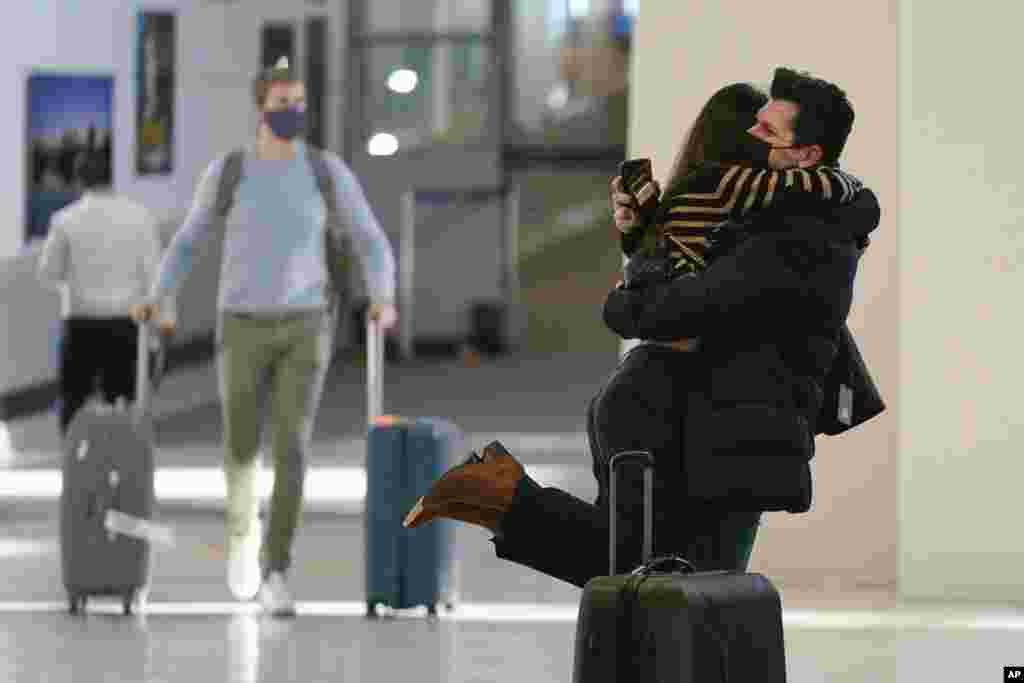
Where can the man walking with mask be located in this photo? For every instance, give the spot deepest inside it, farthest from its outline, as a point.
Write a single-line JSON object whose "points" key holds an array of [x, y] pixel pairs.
{"points": [[275, 327]]}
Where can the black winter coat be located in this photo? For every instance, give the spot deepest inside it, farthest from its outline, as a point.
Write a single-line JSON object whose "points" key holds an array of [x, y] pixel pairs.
{"points": [[769, 313]]}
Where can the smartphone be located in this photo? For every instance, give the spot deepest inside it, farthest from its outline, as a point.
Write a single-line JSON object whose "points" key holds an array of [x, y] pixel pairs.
{"points": [[637, 180], [632, 170]]}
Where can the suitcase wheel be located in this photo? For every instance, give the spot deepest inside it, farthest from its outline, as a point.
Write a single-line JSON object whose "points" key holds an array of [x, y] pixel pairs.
{"points": [[371, 610], [76, 603], [432, 610], [135, 601], [140, 599]]}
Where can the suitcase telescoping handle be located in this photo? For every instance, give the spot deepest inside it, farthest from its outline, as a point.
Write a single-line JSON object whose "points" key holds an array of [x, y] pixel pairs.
{"points": [[143, 385], [374, 370], [647, 461]]}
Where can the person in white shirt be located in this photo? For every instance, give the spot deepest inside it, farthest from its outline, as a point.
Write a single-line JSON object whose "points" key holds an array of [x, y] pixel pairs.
{"points": [[102, 253]]}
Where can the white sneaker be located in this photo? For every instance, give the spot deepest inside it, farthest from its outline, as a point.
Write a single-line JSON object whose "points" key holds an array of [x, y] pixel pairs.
{"points": [[244, 562], [277, 601]]}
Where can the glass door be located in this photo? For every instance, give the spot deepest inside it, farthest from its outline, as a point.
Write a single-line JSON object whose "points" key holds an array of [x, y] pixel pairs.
{"points": [[424, 110]]}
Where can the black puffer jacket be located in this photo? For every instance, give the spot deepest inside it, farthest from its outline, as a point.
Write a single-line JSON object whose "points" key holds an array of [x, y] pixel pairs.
{"points": [[769, 314]]}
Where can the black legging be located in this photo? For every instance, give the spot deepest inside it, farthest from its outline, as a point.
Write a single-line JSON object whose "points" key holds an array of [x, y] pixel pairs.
{"points": [[96, 354], [642, 406]]}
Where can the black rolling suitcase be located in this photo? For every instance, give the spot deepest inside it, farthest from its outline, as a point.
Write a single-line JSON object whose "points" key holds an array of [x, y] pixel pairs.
{"points": [[668, 622], [108, 477]]}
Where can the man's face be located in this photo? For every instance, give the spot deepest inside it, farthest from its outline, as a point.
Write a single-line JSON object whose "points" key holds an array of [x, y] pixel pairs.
{"points": [[285, 95], [775, 126]]}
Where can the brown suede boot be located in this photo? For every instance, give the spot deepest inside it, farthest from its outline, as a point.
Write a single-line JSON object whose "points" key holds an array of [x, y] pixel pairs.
{"points": [[477, 491]]}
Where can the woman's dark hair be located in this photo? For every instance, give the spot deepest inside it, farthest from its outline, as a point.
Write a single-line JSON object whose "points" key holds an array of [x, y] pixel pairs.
{"points": [[719, 135]]}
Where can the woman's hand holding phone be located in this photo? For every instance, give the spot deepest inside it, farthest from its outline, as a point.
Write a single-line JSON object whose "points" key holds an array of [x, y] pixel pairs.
{"points": [[635, 195]]}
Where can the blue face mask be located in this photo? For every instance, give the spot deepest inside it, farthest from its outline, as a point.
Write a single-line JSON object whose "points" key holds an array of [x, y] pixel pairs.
{"points": [[286, 124]]}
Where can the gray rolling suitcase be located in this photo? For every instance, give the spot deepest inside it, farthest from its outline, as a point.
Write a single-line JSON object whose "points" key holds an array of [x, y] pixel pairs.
{"points": [[108, 468], [668, 622]]}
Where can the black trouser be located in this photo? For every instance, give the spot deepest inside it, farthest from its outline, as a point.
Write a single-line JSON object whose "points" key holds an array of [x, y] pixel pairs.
{"points": [[98, 356], [642, 406]]}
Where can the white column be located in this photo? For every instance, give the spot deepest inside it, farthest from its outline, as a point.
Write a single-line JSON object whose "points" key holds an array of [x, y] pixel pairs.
{"points": [[960, 246]]}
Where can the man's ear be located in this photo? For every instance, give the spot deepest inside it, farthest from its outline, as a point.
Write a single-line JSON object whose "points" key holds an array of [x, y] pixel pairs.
{"points": [[812, 155]]}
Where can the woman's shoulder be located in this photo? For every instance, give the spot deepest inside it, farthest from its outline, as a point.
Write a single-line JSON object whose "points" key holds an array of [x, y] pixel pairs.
{"points": [[705, 177]]}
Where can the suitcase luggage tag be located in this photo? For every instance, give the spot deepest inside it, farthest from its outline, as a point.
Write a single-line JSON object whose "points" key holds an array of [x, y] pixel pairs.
{"points": [[845, 411], [117, 522]]}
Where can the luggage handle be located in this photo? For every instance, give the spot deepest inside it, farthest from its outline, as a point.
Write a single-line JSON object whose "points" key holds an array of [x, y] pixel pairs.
{"points": [[143, 385], [669, 562], [647, 460], [374, 370]]}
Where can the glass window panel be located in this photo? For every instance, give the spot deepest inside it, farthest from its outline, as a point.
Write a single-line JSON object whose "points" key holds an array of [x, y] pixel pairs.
{"points": [[565, 218], [436, 16], [427, 94], [571, 72]]}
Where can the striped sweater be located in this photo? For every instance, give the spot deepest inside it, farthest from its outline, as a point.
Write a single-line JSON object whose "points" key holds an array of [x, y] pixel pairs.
{"points": [[713, 193]]}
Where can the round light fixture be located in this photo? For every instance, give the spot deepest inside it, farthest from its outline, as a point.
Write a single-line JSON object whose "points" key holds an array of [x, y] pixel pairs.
{"points": [[382, 145], [403, 81]]}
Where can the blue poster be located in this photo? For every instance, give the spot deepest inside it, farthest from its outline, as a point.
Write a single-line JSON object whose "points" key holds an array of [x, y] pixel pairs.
{"points": [[70, 125]]}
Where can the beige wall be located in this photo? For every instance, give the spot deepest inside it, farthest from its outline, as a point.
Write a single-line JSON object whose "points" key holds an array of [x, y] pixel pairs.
{"points": [[926, 495], [961, 246], [685, 51]]}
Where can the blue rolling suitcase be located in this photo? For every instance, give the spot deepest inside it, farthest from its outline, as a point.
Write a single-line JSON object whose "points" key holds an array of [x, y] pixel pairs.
{"points": [[405, 568]]}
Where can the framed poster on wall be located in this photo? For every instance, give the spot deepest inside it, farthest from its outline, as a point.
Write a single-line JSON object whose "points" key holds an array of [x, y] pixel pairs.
{"points": [[155, 81], [70, 122]]}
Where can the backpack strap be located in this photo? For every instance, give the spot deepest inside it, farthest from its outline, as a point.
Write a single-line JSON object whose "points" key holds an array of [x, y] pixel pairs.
{"points": [[230, 177], [324, 181], [335, 253]]}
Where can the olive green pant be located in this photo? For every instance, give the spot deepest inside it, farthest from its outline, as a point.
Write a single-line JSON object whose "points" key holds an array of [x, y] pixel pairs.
{"points": [[284, 359]]}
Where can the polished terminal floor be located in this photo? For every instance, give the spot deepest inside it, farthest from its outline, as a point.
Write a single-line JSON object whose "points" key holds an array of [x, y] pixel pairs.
{"points": [[510, 624]]}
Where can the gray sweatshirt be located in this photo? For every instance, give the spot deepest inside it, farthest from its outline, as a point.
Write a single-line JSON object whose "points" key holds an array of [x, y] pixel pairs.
{"points": [[273, 254]]}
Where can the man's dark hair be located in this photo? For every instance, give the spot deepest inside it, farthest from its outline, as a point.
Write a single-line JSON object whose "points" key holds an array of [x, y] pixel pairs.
{"points": [[825, 116], [93, 172], [269, 77]]}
